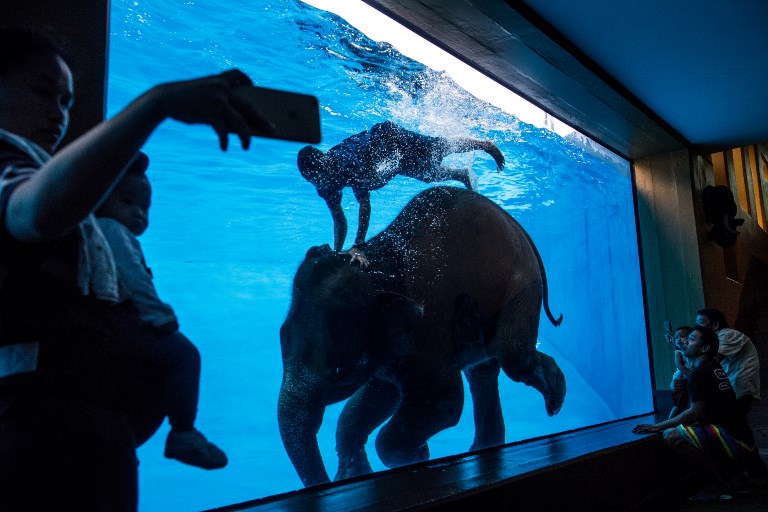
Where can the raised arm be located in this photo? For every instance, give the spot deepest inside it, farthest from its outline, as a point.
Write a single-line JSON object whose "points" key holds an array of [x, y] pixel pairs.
{"points": [[73, 183]]}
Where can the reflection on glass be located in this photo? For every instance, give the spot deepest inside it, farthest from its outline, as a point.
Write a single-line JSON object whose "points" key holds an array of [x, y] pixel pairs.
{"points": [[229, 230]]}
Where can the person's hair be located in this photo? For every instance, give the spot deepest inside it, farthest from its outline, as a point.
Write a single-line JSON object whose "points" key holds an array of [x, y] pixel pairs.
{"points": [[714, 315], [708, 339], [685, 327], [17, 44], [309, 160]]}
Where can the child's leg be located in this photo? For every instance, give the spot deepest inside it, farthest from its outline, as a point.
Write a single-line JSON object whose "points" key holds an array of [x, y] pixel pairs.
{"points": [[179, 362], [182, 383], [176, 358]]}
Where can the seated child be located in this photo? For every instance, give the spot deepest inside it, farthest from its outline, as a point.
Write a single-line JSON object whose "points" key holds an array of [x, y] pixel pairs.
{"points": [[680, 378], [155, 339]]}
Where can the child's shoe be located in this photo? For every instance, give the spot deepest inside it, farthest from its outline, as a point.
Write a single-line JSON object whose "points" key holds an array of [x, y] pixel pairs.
{"points": [[191, 447]]}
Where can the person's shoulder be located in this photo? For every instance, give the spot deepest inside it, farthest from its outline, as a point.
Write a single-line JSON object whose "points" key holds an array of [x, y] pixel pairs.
{"points": [[14, 160], [110, 223], [113, 229], [728, 335], [705, 367], [383, 128]]}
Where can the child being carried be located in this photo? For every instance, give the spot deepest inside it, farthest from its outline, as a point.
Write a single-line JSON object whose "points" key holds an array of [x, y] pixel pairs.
{"points": [[155, 339]]}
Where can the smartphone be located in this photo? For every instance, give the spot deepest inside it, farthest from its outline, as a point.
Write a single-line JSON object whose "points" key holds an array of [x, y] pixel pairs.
{"points": [[288, 115], [669, 333]]}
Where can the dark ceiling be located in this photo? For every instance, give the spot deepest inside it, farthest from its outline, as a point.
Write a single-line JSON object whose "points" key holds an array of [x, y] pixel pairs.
{"points": [[701, 66], [697, 69]]}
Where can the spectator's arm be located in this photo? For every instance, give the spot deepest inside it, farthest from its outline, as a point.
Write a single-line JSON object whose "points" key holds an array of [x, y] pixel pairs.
{"points": [[75, 180]]}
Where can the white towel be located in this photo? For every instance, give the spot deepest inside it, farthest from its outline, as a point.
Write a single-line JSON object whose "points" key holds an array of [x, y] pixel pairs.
{"points": [[96, 272]]}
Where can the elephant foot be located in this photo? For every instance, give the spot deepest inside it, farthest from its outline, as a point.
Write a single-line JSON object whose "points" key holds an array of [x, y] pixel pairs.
{"points": [[396, 458], [353, 464], [550, 381]]}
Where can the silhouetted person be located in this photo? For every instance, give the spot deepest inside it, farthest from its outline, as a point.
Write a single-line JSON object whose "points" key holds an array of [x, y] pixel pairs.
{"points": [[64, 442], [371, 159], [712, 433], [154, 339]]}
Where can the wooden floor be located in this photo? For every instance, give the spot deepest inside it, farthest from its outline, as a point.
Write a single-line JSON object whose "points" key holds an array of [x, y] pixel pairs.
{"points": [[560, 470], [755, 499]]}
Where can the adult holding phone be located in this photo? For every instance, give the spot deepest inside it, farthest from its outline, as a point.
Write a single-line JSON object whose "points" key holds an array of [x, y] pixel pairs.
{"points": [[64, 443]]}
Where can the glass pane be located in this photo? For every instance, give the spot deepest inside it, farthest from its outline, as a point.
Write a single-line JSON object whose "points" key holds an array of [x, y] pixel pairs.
{"points": [[229, 230]]}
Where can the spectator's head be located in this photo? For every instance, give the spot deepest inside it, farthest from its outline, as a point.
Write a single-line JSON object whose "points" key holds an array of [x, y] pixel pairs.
{"points": [[313, 166], [702, 342], [681, 335], [712, 318], [129, 202], [36, 87]]}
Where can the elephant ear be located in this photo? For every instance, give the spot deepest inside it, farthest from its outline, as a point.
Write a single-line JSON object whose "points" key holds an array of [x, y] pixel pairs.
{"points": [[395, 320], [317, 251]]}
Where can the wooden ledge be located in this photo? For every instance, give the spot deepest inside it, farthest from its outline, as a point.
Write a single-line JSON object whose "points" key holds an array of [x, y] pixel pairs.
{"points": [[565, 470]]}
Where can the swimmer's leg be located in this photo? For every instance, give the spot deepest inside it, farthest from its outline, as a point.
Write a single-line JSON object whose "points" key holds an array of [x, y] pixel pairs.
{"points": [[442, 173]]}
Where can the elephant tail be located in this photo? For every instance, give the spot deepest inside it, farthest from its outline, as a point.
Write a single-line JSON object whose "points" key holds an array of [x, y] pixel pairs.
{"points": [[544, 286]]}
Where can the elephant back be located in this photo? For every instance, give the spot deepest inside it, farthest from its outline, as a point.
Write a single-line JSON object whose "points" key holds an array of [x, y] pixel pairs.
{"points": [[448, 241]]}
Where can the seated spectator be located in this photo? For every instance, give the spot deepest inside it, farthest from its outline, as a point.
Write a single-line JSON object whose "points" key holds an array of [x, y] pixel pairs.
{"points": [[737, 355], [65, 443], [741, 362], [712, 433]]}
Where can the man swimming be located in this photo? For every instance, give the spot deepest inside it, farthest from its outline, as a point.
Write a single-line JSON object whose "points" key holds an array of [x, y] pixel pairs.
{"points": [[371, 159]]}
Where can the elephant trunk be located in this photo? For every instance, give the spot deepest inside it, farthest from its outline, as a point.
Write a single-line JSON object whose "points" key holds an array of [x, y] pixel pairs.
{"points": [[299, 415]]}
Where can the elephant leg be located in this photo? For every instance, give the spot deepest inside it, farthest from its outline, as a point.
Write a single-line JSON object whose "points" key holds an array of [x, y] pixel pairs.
{"points": [[368, 408], [483, 379], [515, 347], [432, 400]]}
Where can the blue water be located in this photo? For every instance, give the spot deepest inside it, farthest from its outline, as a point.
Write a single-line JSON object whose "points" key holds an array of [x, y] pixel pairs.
{"points": [[228, 230]]}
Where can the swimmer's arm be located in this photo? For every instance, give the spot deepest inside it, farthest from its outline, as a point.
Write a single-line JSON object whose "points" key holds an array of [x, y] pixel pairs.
{"points": [[74, 182], [339, 220], [364, 215]]}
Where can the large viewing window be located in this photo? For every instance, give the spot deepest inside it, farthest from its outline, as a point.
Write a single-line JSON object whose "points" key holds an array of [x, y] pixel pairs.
{"points": [[229, 230]]}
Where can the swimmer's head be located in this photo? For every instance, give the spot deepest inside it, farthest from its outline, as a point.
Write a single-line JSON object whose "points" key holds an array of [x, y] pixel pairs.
{"points": [[312, 165]]}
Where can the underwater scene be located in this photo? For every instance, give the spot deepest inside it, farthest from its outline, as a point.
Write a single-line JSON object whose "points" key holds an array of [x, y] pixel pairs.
{"points": [[229, 230]]}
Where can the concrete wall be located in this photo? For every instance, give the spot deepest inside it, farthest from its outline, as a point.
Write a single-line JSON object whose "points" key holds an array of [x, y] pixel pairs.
{"points": [[684, 270], [669, 248], [724, 270]]}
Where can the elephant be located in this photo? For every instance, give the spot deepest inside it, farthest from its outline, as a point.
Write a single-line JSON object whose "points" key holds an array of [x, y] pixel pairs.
{"points": [[452, 268]]}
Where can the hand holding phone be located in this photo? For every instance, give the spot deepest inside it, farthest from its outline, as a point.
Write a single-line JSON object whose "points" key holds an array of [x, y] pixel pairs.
{"points": [[288, 115], [669, 334]]}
